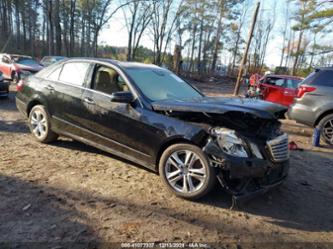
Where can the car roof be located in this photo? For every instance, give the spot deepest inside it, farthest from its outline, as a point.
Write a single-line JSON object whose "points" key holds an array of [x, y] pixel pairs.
{"points": [[54, 56], [283, 76], [20, 55], [324, 68], [123, 64]]}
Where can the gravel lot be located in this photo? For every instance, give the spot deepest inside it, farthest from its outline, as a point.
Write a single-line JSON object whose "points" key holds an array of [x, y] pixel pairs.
{"points": [[71, 192]]}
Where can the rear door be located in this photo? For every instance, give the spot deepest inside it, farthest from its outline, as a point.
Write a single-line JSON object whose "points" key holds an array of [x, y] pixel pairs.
{"points": [[290, 91], [66, 90]]}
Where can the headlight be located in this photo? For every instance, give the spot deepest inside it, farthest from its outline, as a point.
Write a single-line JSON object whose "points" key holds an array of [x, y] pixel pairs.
{"points": [[229, 142]]}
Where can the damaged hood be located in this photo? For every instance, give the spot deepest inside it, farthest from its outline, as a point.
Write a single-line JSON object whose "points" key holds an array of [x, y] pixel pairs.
{"points": [[222, 105]]}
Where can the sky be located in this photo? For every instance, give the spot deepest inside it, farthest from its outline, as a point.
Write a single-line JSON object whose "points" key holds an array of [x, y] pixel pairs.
{"points": [[115, 33]]}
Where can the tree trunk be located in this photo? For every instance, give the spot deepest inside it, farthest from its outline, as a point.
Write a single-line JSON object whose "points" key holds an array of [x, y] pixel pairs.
{"points": [[57, 28], [193, 48], [83, 30], [18, 24], [200, 45], [217, 38], [50, 30], [293, 72], [71, 28]]}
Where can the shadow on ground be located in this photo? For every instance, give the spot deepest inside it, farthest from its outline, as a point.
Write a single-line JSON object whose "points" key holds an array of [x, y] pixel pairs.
{"points": [[8, 103], [40, 214], [78, 146], [303, 202]]}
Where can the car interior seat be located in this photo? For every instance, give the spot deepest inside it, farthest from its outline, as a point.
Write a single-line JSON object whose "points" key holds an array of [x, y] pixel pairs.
{"points": [[104, 82]]}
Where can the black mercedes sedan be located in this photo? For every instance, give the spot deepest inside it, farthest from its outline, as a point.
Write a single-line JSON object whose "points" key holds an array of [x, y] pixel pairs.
{"points": [[148, 115]]}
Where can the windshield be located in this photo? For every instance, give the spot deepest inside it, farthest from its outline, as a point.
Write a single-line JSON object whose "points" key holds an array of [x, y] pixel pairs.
{"points": [[161, 84], [26, 61]]}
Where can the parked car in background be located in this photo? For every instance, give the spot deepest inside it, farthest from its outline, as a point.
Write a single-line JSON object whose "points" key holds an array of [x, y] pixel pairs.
{"points": [[150, 116], [4, 87], [314, 102], [280, 89], [13, 65], [49, 60]]}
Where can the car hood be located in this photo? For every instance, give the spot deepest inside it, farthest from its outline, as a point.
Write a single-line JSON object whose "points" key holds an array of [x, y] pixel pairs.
{"points": [[222, 105]]}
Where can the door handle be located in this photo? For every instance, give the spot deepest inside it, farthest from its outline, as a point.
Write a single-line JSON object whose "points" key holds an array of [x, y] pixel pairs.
{"points": [[50, 88], [89, 101]]}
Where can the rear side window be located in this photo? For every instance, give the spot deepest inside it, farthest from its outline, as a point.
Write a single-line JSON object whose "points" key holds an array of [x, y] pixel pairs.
{"points": [[309, 79], [292, 83], [74, 73], [275, 81], [54, 75], [324, 78]]}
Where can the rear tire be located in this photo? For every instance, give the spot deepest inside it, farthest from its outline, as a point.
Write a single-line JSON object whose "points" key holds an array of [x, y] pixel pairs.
{"points": [[326, 129], [186, 172], [39, 124]]}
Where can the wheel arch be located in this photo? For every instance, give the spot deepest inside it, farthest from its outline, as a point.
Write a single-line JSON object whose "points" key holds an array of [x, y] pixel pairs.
{"points": [[176, 140], [324, 114], [33, 103]]}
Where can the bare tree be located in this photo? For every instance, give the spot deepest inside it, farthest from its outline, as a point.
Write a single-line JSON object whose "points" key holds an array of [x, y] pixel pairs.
{"points": [[137, 23], [163, 24]]}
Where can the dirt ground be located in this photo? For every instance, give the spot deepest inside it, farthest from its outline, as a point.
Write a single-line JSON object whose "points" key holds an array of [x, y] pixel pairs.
{"points": [[70, 192]]}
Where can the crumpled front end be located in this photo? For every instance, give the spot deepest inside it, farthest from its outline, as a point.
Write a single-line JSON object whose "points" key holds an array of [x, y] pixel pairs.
{"points": [[248, 166]]}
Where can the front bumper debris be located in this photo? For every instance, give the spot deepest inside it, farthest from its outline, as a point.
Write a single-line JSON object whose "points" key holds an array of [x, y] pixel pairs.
{"points": [[254, 176]]}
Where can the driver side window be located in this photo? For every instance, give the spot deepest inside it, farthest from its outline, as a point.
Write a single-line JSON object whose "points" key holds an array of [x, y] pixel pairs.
{"points": [[107, 80]]}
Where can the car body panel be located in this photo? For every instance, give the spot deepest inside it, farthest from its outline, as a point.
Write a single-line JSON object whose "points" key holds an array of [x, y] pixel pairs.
{"points": [[311, 107], [220, 105], [9, 65], [284, 93]]}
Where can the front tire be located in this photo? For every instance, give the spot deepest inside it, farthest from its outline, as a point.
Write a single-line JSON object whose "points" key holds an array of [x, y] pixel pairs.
{"points": [[39, 124], [326, 127], [186, 172]]}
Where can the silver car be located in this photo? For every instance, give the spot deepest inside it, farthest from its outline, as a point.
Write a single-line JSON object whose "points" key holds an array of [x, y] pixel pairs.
{"points": [[313, 105]]}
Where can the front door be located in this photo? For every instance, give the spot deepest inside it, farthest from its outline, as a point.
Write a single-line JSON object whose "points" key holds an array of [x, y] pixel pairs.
{"points": [[116, 125]]}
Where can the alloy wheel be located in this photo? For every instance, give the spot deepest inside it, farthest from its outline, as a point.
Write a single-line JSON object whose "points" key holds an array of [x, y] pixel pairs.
{"points": [[328, 130], [185, 171], [38, 123]]}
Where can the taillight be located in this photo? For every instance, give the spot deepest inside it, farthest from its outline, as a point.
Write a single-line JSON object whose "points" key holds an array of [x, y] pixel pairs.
{"points": [[19, 86], [304, 89]]}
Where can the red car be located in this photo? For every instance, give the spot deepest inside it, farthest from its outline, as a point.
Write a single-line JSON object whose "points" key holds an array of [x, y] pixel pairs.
{"points": [[13, 66], [280, 89]]}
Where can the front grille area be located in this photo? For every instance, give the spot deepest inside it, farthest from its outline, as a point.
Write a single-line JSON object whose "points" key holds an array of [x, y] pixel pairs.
{"points": [[278, 148]]}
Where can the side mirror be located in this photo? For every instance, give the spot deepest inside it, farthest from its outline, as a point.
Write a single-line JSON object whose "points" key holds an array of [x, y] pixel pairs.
{"points": [[122, 97]]}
